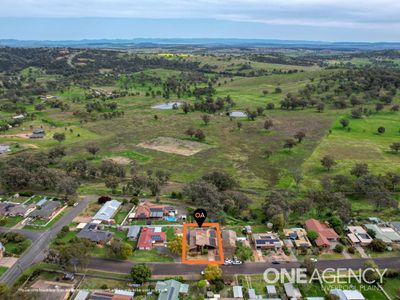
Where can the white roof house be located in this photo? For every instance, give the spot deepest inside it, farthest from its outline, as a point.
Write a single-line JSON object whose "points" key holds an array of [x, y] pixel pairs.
{"points": [[386, 234], [358, 235], [82, 295], [107, 211], [347, 294]]}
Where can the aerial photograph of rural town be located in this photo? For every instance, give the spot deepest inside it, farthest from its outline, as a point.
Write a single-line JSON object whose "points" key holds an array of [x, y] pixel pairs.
{"points": [[209, 149]]}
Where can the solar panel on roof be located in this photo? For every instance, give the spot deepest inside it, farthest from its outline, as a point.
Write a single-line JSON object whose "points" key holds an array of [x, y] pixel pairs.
{"points": [[213, 242], [156, 237], [213, 233]]}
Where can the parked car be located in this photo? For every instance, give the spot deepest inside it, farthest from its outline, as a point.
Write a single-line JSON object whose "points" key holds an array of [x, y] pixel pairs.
{"points": [[237, 262], [228, 262], [313, 259], [275, 262]]}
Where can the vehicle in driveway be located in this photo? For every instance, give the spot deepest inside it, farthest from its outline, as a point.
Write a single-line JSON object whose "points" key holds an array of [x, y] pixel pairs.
{"points": [[228, 262], [313, 259], [237, 262], [275, 262]]}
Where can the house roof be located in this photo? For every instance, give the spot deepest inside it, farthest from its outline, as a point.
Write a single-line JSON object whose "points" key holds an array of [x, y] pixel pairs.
{"points": [[4, 149], [271, 290], [386, 234], [229, 238], [170, 289], [95, 235], [396, 225], [148, 236], [347, 294], [107, 211], [82, 295], [147, 210], [291, 291], [133, 231], [237, 291], [202, 237], [324, 232], [266, 239], [46, 210]]}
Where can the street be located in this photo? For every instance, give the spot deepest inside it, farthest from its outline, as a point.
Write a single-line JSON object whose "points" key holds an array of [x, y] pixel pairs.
{"points": [[40, 243]]}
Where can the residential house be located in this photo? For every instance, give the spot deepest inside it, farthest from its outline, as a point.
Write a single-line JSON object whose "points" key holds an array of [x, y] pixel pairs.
{"points": [[327, 237], [271, 291], [298, 236], [147, 210], [91, 232], [4, 149], [171, 289], [21, 210], [107, 211], [38, 134], [386, 234], [200, 238], [133, 232], [229, 242], [358, 236], [267, 241], [47, 211], [238, 292], [2, 250], [82, 295], [291, 291], [347, 294], [109, 296], [396, 226], [150, 237]]}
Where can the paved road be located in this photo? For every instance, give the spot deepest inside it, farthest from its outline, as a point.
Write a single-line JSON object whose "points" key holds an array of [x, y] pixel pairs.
{"points": [[40, 243], [172, 269], [33, 235]]}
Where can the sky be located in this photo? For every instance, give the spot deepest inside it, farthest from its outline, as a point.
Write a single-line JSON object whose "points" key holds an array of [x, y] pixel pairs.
{"points": [[317, 20]]}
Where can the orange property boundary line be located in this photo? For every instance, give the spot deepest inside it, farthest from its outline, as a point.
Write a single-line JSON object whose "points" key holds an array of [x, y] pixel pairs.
{"points": [[202, 262]]}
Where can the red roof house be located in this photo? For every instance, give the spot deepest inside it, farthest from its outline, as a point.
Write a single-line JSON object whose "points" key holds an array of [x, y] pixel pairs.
{"points": [[326, 235], [150, 237]]}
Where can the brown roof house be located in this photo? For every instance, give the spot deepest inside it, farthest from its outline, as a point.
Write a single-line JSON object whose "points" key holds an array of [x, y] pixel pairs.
{"points": [[327, 237], [229, 242], [147, 210], [201, 238]]}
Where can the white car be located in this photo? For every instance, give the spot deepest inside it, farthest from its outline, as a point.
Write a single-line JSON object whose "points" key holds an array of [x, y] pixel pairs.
{"points": [[228, 262], [313, 259], [237, 262]]}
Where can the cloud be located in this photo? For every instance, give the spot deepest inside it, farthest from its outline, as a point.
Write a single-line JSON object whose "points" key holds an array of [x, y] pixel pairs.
{"points": [[328, 13]]}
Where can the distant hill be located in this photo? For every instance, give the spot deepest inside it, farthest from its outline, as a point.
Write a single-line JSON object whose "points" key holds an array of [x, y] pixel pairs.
{"points": [[153, 42]]}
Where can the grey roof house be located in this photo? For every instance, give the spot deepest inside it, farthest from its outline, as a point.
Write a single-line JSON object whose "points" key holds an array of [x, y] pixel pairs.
{"points": [[46, 211], [38, 134], [91, 233], [171, 289], [133, 232]]}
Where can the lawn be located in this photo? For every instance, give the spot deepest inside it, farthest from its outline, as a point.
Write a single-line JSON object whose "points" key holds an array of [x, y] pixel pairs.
{"points": [[391, 286], [38, 224], [3, 270], [370, 292], [12, 221], [122, 213], [149, 256]]}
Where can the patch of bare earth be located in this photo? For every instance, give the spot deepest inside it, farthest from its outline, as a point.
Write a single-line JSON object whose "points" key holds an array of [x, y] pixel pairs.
{"points": [[17, 135], [175, 146], [120, 160]]}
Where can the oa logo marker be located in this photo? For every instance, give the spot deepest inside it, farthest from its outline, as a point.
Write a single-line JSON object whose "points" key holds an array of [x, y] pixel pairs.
{"points": [[200, 216]]}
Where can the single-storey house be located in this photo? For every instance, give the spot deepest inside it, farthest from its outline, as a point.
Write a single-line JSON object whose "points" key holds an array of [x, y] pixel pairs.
{"points": [[109, 296], [291, 291], [396, 226], [91, 233], [46, 211], [150, 237], [358, 236], [200, 238], [133, 232], [21, 210], [298, 236], [347, 294], [82, 295], [327, 237], [107, 211], [266, 241], [271, 290], [148, 210], [38, 134], [238, 292], [229, 242], [171, 289], [386, 234]]}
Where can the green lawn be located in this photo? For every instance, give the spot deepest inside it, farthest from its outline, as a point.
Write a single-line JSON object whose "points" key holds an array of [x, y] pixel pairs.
{"points": [[12, 221], [3, 270]]}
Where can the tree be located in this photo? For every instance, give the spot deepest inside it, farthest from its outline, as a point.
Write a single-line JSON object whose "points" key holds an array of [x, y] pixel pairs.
{"points": [[339, 248], [175, 245], [289, 144], [239, 125], [320, 107], [328, 162], [222, 180], [359, 169], [199, 134], [300, 135], [332, 297], [277, 202], [371, 275], [67, 185], [206, 119], [212, 272], [379, 107], [268, 124], [344, 122], [278, 222], [381, 130], [112, 183], [243, 252], [377, 245], [190, 132], [92, 149], [59, 136], [309, 266], [312, 235], [140, 273], [395, 146], [119, 249]]}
